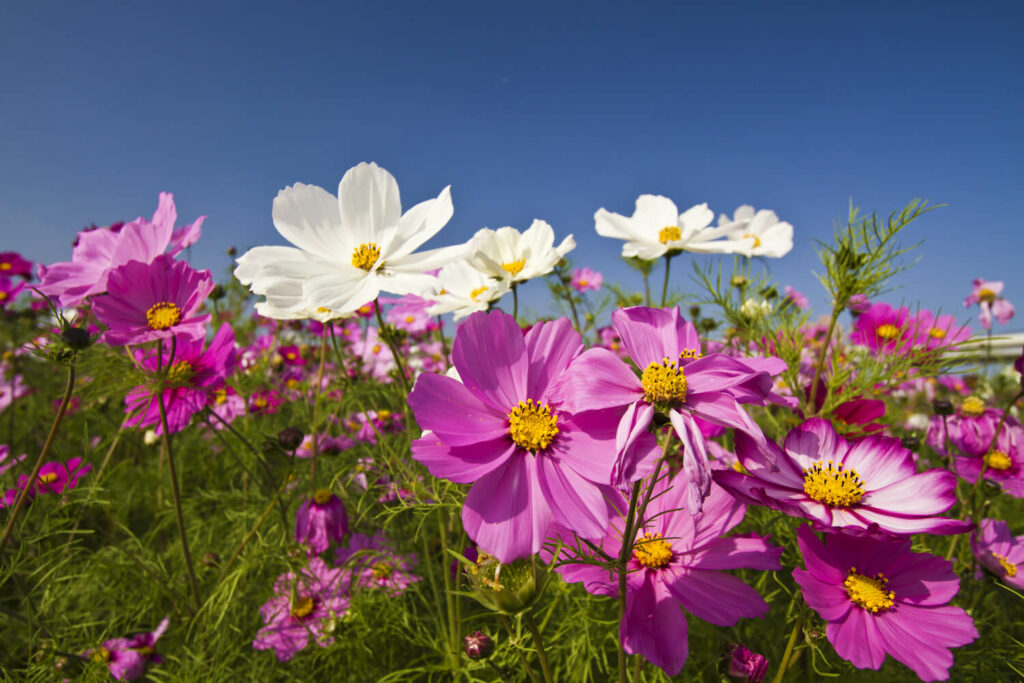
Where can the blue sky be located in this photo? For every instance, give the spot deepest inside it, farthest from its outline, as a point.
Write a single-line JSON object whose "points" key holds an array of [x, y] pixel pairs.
{"points": [[528, 110]]}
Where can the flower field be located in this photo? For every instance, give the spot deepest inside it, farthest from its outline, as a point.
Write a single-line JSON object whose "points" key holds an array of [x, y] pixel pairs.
{"points": [[351, 458]]}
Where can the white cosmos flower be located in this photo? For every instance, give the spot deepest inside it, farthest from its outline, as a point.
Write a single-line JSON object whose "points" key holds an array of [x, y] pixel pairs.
{"points": [[758, 233], [347, 249], [465, 290], [513, 256], [657, 228]]}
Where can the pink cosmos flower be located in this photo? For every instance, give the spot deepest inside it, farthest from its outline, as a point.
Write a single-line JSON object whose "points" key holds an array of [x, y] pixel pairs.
{"points": [[676, 561], [126, 658], [880, 598], [999, 551], [506, 429], [307, 604], [6, 461], [321, 520], [858, 304], [264, 401], [970, 430], [585, 278], [11, 387], [1004, 464], [97, 252], [12, 264], [866, 486], [376, 565], [934, 332], [882, 328], [291, 355], [9, 290], [374, 354], [54, 477], [797, 298], [678, 381], [986, 295], [158, 300], [409, 313], [226, 404], [194, 373]]}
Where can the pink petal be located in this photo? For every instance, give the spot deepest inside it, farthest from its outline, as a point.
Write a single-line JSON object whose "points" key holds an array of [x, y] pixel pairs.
{"points": [[550, 346], [461, 464], [446, 407], [490, 355], [715, 597]]}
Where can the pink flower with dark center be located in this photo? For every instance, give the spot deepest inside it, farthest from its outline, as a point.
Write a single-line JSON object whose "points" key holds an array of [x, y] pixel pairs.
{"points": [[1003, 464], [54, 477], [863, 487], [320, 520], [291, 355], [97, 252], [193, 373], [584, 279], [676, 562], [158, 300], [307, 604], [987, 295], [678, 381], [880, 598], [376, 565], [12, 264], [505, 428], [127, 658], [882, 328], [999, 551]]}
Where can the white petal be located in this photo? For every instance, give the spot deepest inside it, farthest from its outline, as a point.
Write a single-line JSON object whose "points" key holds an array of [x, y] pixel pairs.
{"points": [[422, 222], [368, 202], [307, 216], [654, 212], [697, 217], [608, 224]]}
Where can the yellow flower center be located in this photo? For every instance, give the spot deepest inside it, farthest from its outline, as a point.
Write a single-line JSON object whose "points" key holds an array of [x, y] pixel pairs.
{"points": [[163, 315], [986, 295], [513, 268], [532, 426], [738, 466], [1009, 567], [260, 402], [477, 292], [652, 551], [220, 396], [323, 309], [3, 296], [145, 650], [322, 496], [757, 240], [868, 592], [5, 266], [692, 354], [180, 372], [382, 570], [887, 331], [663, 382], [376, 349], [292, 383], [302, 607], [48, 478], [409, 319], [936, 333], [365, 255], [998, 460], [384, 414], [972, 406], [583, 283], [833, 485], [101, 655], [669, 233]]}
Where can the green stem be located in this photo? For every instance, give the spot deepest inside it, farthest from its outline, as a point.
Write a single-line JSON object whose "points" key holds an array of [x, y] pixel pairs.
{"points": [[515, 303], [252, 532], [449, 599], [647, 288], [23, 495], [664, 286], [785, 662], [522, 657], [394, 353], [316, 414], [628, 534], [820, 365], [538, 644]]}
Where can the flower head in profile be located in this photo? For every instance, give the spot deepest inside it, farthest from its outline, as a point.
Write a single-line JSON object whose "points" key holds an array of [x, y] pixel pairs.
{"points": [[127, 658], [970, 429], [464, 289], [656, 228], [868, 485], [880, 598], [511, 256], [347, 249], [999, 551], [987, 294], [758, 233], [505, 429], [584, 279], [158, 300], [320, 520], [676, 562]]}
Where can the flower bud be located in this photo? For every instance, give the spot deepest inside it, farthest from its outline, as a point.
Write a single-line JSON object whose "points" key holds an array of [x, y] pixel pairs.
{"points": [[507, 588], [76, 338], [942, 407], [478, 645], [231, 251], [290, 438], [746, 664], [217, 293], [911, 442]]}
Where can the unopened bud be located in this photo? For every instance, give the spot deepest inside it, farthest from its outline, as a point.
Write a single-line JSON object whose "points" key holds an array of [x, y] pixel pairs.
{"points": [[478, 645], [217, 293], [76, 338], [231, 251], [290, 438], [942, 407], [911, 442]]}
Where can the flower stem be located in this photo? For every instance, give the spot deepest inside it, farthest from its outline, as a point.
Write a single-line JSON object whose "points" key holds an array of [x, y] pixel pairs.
{"points": [[515, 303], [664, 286], [784, 664], [449, 599], [252, 532], [628, 534], [647, 289], [394, 352], [538, 644], [23, 495], [512, 634], [820, 365], [316, 414]]}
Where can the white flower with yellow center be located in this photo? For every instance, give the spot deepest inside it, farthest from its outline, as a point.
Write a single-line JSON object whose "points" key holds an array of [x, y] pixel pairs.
{"points": [[465, 290], [513, 257], [657, 228], [757, 233], [347, 249]]}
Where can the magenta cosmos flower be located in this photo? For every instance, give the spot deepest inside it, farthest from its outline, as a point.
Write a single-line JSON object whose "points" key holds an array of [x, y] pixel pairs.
{"points": [[9, 290], [868, 485], [127, 658], [970, 430], [320, 520], [999, 551], [97, 252], [12, 264], [505, 428], [746, 664], [158, 300], [677, 561], [54, 478], [307, 604], [1004, 464], [584, 279], [375, 564], [882, 328], [987, 295], [193, 373], [677, 381], [938, 331], [880, 598]]}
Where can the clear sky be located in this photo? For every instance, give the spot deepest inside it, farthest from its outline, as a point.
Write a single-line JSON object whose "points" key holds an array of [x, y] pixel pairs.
{"points": [[528, 110]]}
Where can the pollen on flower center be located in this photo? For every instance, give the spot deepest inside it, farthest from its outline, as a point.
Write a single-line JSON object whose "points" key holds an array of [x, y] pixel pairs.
{"points": [[220, 396], [869, 592], [101, 655], [692, 354], [322, 496], [5, 266], [663, 382], [382, 570], [757, 240], [1009, 567], [998, 460], [48, 478], [365, 255], [652, 551], [887, 331], [180, 372], [669, 233], [163, 315], [477, 292], [532, 426], [833, 485], [302, 607], [972, 406], [986, 295], [936, 333], [513, 268]]}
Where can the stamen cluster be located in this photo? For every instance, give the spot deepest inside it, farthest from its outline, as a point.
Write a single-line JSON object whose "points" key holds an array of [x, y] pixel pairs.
{"points": [[833, 485], [663, 382], [532, 425], [652, 551], [163, 315], [365, 256], [869, 592]]}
